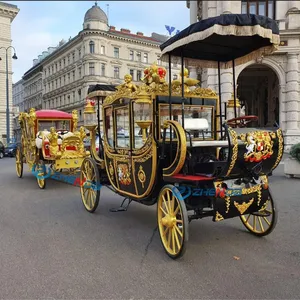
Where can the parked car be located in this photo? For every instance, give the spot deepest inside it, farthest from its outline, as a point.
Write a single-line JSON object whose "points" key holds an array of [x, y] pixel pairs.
{"points": [[2, 150], [10, 150]]}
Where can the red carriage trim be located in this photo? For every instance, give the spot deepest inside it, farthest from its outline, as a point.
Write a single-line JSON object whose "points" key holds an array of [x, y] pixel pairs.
{"points": [[52, 114], [191, 177]]}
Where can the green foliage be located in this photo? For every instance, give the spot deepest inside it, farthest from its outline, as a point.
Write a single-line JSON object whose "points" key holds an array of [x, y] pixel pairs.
{"points": [[295, 151]]}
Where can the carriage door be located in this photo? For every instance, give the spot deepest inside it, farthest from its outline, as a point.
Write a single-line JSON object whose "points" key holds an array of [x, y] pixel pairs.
{"points": [[123, 147]]}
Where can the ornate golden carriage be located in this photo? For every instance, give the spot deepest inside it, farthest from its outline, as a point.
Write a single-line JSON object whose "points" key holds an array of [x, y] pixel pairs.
{"points": [[170, 143], [50, 137]]}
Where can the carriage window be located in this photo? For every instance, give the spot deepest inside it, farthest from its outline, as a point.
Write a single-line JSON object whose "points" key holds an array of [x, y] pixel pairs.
{"points": [[109, 126], [57, 124], [123, 127], [191, 114], [142, 116]]}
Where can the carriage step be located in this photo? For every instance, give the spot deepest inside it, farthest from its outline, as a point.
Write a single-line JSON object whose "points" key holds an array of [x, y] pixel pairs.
{"points": [[190, 178]]}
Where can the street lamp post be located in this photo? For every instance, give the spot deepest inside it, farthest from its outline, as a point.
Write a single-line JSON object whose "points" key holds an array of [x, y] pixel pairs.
{"points": [[7, 93]]}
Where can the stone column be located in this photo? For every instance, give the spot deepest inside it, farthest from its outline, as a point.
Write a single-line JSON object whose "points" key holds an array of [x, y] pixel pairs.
{"points": [[226, 7], [193, 11], [292, 91], [292, 101]]}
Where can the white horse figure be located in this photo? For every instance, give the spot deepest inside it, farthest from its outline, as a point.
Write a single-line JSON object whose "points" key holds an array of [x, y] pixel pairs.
{"points": [[250, 144]]}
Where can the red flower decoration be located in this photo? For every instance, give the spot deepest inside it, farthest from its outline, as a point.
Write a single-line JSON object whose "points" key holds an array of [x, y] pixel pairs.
{"points": [[146, 71], [161, 72]]}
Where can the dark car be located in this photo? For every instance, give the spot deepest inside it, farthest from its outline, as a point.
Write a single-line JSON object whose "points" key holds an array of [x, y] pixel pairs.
{"points": [[10, 150], [2, 150]]}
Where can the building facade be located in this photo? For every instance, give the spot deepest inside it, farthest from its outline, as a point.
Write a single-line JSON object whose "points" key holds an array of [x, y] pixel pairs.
{"points": [[99, 54], [267, 87], [18, 103], [7, 14]]}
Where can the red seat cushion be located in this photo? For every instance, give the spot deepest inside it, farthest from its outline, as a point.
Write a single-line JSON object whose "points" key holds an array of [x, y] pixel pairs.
{"points": [[191, 177]]}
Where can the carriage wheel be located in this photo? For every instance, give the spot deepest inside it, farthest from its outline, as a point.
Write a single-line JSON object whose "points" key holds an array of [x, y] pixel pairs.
{"points": [[42, 172], [19, 162], [172, 221], [263, 222], [89, 184]]}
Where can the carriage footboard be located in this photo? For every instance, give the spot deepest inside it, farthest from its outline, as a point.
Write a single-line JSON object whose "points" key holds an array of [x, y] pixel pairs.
{"points": [[234, 203]]}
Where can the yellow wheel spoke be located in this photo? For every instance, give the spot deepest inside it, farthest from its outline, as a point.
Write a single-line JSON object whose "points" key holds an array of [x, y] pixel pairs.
{"points": [[178, 230], [169, 201], [173, 205], [179, 221], [169, 238], [166, 205], [173, 241], [165, 232], [176, 238], [163, 210], [176, 210], [260, 224], [254, 222], [248, 218], [267, 221]]}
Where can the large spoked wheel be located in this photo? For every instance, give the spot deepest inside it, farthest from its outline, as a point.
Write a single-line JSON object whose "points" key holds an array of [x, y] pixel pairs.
{"points": [[263, 222], [19, 162], [41, 181], [172, 221], [89, 184]]}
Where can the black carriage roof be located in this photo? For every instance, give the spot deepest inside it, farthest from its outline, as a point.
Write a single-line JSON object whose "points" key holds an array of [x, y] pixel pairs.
{"points": [[101, 87], [239, 37]]}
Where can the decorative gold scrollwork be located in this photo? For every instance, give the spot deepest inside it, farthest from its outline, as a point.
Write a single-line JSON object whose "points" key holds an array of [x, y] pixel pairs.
{"points": [[244, 206], [142, 176], [234, 150], [219, 217]]}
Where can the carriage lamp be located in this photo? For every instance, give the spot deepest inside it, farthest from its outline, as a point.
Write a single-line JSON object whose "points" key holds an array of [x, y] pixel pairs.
{"points": [[90, 116], [144, 113]]}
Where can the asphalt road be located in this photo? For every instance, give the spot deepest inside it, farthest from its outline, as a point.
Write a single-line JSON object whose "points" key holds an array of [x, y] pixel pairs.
{"points": [[52, 248]]}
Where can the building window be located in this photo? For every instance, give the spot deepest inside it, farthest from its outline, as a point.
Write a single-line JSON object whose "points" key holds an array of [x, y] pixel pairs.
{"points": [[139, 56], [116, 72], [79, 72], [116, 52], [73, 75], [92, 68], [92, 47], [145, 57], [73, 56], [175, 77], [139, 75], [131, 55], [102, 50], [79, 53], [73, 96], [102, 69], [262, 8], [131, 72]]}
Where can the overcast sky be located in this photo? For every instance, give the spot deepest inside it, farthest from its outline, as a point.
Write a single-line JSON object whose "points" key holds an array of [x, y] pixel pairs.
{"points": [[41, 24]]}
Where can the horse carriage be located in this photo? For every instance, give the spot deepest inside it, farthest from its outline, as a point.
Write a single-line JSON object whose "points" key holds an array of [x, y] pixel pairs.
{"points": [[171, 144], [50, 137]]}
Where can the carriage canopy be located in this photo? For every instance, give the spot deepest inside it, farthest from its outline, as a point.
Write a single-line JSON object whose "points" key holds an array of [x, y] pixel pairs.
{"points": [[238, 37]]}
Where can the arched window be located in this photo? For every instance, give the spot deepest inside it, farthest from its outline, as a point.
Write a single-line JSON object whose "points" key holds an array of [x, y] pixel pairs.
{"points": [[92, 47]]}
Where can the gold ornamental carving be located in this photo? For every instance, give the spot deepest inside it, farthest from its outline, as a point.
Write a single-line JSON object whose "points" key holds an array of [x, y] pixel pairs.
{"points": [[142, 176], [75, 119], [154, 83], [280, 148], [234, 150], [244, 206], [219, 217]]}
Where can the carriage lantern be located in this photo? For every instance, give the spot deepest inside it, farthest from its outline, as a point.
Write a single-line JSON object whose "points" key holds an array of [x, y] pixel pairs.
{"points": [[144, 113], [90, 115]]}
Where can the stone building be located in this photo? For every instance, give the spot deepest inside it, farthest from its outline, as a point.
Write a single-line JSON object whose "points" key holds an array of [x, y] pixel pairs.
{"points": [[7, 14], [18, 102], [267, 87], [99, 54]]}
